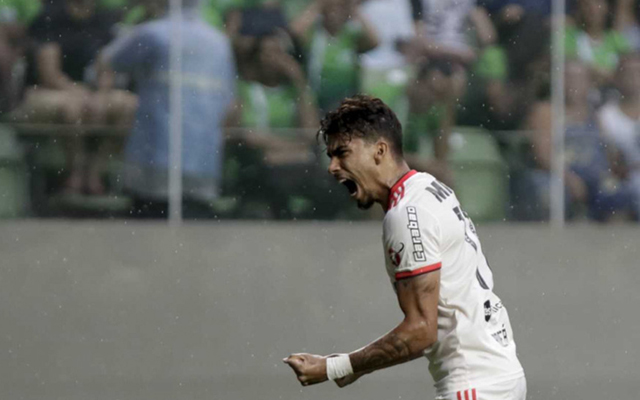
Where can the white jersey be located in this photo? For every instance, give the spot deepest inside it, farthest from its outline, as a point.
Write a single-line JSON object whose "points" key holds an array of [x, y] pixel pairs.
{"points": [[425, 229], [447, 21]]}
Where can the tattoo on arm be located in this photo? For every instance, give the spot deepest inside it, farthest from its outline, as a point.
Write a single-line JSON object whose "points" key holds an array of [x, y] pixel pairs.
{"points": [[387, 351], [418, 300]]}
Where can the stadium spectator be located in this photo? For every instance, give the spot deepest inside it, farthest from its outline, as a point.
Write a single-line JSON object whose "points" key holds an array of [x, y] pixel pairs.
{"points": [[222, 12], [385, 71], [487, 101], [15, 17], [509, 76], [627, 21], [507, 13], [620, 122], [69, 36], [334, 33], [273, 100], [392, 22], [593, 42], [208, 77], [277, 111], [431, 113], [139, 11], [588, 176], [245, 25], [500, 86], [273, 91], [443, 33], [444, 29]]}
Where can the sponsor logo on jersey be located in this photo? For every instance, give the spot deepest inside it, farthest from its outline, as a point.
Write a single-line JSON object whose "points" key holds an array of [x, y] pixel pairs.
{"points": [[501, 337], [396, 256], [418, 249], [487, 310]]}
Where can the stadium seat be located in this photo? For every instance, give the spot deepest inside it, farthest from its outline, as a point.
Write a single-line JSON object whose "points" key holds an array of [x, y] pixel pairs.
{"points": [[49, 154], [48, 169], [14, 195], [480, 174]]}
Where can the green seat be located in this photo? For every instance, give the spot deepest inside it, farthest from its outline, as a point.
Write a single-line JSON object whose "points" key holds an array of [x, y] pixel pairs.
{"points": [[49, 154], [14, 194], [49, 167], [81, 205], [480, 174]]}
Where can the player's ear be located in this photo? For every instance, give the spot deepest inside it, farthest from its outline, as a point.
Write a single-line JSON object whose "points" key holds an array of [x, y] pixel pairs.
{"points": [[381, 150]]}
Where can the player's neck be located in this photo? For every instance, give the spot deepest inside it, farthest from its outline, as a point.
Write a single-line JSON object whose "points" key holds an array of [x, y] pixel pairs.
{"points": [[391, 175]]}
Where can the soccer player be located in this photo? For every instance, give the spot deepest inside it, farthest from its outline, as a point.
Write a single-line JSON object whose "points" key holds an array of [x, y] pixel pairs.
{"points": [[435, 262]]}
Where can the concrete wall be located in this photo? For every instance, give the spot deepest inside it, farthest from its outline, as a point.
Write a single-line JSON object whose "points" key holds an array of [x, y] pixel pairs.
{"points": [[124, 310]]}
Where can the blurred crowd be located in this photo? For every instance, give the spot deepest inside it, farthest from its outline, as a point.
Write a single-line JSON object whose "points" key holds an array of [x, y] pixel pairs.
{"points": [[256, 76]]}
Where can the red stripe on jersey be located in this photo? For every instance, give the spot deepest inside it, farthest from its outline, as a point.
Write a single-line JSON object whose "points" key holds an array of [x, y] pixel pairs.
{"points": [[466, 395], [473, 391], [397, 191], [419, 271], [459, 396]]}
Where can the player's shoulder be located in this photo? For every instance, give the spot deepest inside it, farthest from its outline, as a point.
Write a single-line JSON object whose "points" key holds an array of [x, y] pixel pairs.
{"points": [[417, 200], [423, 190]]}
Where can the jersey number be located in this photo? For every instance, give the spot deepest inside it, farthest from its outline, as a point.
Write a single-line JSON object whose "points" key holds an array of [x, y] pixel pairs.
{"points": [[469, 231], [468, 227]]}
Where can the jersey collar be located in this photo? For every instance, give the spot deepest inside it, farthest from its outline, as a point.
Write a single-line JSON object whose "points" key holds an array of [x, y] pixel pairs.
{"points": [[397, 191]]}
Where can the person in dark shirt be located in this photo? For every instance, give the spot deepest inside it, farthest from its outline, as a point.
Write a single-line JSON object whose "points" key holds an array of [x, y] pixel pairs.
{"points": [[591, 179], [65, 87], [15, 16]]}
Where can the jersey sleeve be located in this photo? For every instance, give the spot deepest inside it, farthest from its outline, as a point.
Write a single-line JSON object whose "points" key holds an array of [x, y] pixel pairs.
{"points": [[412, 239]]}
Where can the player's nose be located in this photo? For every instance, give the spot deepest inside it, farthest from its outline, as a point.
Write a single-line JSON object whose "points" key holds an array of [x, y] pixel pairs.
{"points": [[334, 166]]}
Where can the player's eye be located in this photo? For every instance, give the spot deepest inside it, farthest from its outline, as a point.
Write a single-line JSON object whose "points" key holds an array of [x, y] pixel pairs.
{"points": [[339, 153]]}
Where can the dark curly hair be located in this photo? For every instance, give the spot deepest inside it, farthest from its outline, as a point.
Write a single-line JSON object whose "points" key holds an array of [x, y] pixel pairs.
{"points": [[364, 117]]}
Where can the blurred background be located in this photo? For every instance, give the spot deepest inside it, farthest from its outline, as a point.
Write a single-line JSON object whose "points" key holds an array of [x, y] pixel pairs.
{"points": [[120, 108], [169, 229]]}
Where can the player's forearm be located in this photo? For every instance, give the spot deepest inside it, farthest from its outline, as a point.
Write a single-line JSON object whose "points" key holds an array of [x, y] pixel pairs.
{"points": [[406, 342]]}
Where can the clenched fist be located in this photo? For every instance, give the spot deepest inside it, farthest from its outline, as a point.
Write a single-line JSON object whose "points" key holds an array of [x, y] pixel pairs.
{"points": [[309, 368]]}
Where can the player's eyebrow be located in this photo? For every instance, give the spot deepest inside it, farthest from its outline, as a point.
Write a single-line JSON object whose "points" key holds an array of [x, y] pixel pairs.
{"points": [[337, 151]]}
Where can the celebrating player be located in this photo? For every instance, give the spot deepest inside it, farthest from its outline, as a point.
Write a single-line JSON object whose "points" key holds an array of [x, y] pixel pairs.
{"points": [[435, 262]]}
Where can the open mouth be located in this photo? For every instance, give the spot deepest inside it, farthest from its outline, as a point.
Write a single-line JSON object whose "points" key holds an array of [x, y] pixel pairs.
{"points": [[351, 186]]}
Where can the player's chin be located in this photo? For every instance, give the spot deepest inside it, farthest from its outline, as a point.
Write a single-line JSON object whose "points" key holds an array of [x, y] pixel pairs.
{"points": [[365, 204]]}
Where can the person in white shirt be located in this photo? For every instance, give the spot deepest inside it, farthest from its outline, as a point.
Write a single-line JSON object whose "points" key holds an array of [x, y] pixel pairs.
{"points": [[620, 122], [435, 263]]}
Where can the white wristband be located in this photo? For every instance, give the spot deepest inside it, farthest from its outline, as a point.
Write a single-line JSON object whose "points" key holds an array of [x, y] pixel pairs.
{"points": [[338, 367]]}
